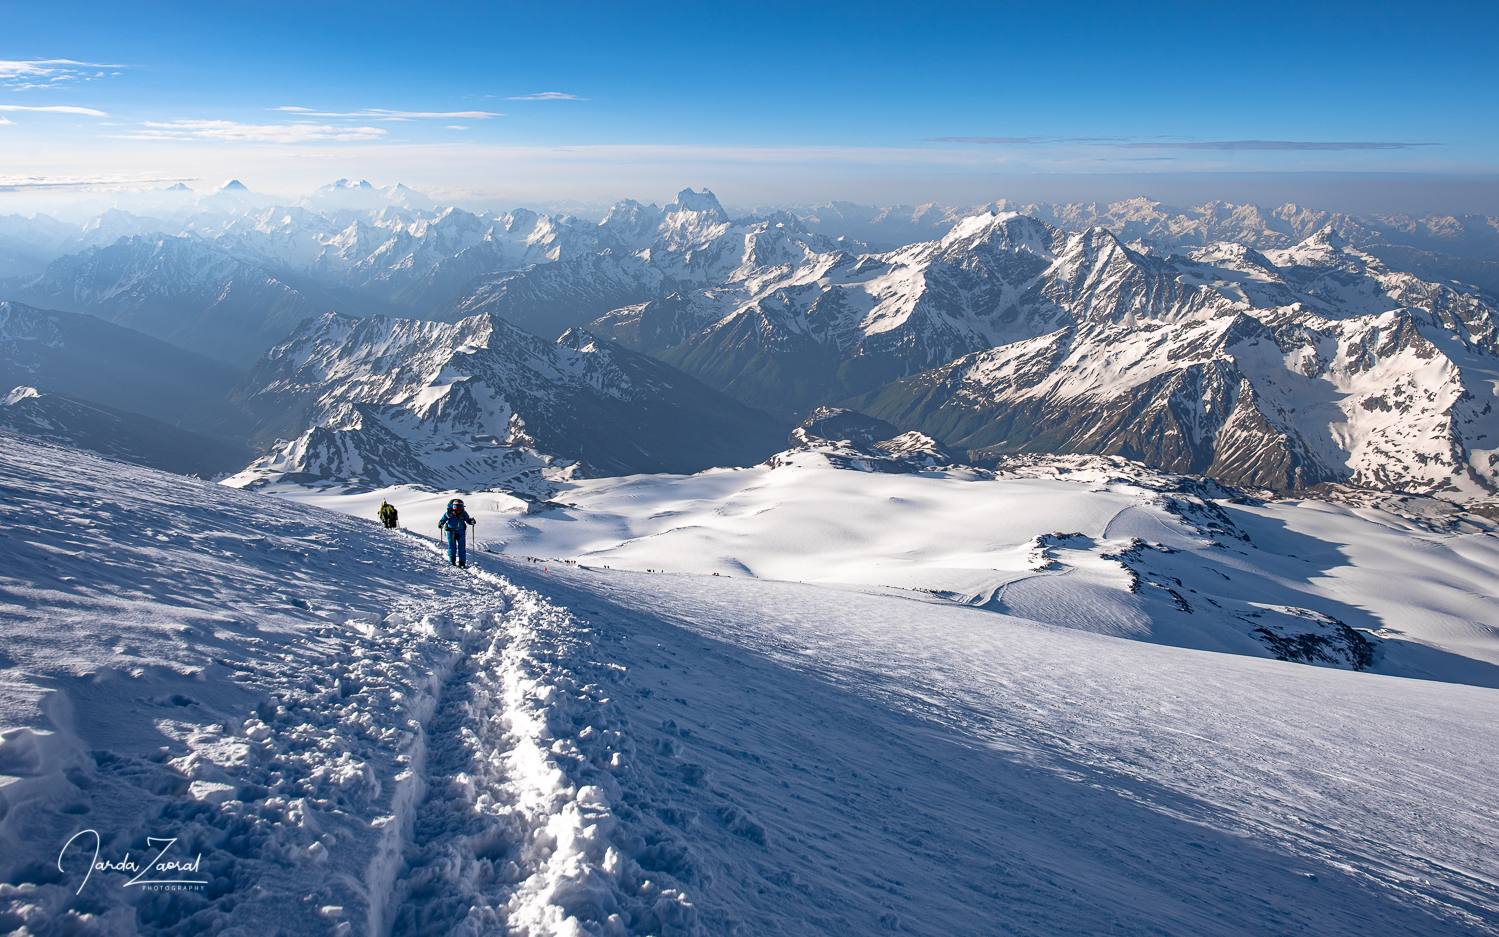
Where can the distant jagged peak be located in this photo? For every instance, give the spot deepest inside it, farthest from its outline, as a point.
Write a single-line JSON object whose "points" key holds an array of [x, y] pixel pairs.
{"points": [[1136, 208], [234, 185], [1291, 211], [1010, 225], [629, 209], [694, 220], [578, 339], [363, 194], [1221, 211], [111, 217], [19, 394], [1324, 247], [519, 221], [704, 202], [1232, 255], [1327, 237], [343, 184], [630, 222], [179, 187], [777, 219]]}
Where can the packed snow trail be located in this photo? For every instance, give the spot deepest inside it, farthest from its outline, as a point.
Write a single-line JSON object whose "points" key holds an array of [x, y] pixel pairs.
{"points": [[350, 735], [185, 662], [519, 831]]}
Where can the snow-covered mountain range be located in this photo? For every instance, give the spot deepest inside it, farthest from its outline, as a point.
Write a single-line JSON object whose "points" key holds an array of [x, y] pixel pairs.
{"points": [[1276, 349], [1144, 223], [1276, 369], [691, 244], [186, 291]]}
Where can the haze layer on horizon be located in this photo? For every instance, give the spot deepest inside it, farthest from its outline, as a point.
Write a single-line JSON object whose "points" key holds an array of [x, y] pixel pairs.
{"points": [[1367, 107]]}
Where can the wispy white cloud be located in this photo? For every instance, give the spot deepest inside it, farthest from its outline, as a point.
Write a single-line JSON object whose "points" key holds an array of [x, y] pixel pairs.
{"points": [[455, 127], [380, 113], [1026, 141], [1279, 145], [251, 133], [49, 73], [3, 121], [55, 109], [547, 96], [1163, 144], [111, 180]]}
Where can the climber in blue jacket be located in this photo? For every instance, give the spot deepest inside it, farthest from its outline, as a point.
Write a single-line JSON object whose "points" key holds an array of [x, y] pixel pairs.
{"points": [[455, 523]]}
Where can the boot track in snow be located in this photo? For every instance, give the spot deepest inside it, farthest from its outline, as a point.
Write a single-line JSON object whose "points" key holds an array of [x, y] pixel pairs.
{"points": [[515, 774]]}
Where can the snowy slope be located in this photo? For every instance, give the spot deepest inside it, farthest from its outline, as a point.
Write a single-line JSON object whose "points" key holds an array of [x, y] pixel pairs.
{"points": [[275, 689], [359, 740], [119, 434], [1095, 544], [926, 769], [83, 356]]}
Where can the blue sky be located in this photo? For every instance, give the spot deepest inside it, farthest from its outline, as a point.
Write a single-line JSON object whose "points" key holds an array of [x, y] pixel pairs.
{"points": [[766, 101]]}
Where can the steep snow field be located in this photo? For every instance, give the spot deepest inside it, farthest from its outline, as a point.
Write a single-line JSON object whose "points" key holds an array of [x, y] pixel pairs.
{"points": [[359, 739]]}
